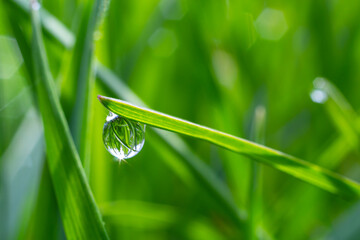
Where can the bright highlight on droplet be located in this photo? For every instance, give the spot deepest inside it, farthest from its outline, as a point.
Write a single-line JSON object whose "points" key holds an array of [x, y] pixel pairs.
{"points": [[123, 138]]}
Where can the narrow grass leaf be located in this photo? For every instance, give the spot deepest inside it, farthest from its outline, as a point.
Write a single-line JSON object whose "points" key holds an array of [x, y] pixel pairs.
{"points": [[80, 215], [44, 221], [81, 81], [340, 111], [298, 168], [51, 25]]}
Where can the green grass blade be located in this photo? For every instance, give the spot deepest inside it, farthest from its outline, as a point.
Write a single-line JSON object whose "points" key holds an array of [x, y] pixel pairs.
{"points": [[337, 150], [51, 25], [341, 112], [80, 215], [298, 168], [20, 181], [44, 221], [81, 81]]}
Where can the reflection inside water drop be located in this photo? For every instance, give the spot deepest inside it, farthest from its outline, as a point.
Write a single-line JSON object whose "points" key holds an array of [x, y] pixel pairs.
{"points": [[123, 138]]}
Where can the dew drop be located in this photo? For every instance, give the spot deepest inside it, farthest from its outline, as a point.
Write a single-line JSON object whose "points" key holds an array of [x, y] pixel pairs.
{"points": [[318, 96], [35, 5], [123, 138], [319, 93]]}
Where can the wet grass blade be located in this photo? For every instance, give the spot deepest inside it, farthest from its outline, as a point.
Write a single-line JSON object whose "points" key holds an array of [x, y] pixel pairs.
{"points": [[80, 215], [298, 168]]}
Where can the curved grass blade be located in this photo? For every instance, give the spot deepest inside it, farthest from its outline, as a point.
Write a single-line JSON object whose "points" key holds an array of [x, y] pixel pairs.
{"points": [[298, 168], [80, 215]]}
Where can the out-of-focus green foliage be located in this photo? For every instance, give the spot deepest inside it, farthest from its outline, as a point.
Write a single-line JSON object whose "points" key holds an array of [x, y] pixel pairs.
{"points": [[210, 62]]}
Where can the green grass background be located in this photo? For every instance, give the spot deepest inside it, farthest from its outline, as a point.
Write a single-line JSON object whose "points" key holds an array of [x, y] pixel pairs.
{"points": [[204, 61]]}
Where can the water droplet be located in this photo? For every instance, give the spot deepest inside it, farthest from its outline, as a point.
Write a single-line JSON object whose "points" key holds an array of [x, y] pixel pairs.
{"points": [[318, 96], [35, 5], [123, 138], [320, 92]]}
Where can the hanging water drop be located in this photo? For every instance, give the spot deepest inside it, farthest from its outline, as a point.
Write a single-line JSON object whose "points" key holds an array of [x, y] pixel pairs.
{"points": [[123, 138], [319, 93], [318, 96]]}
